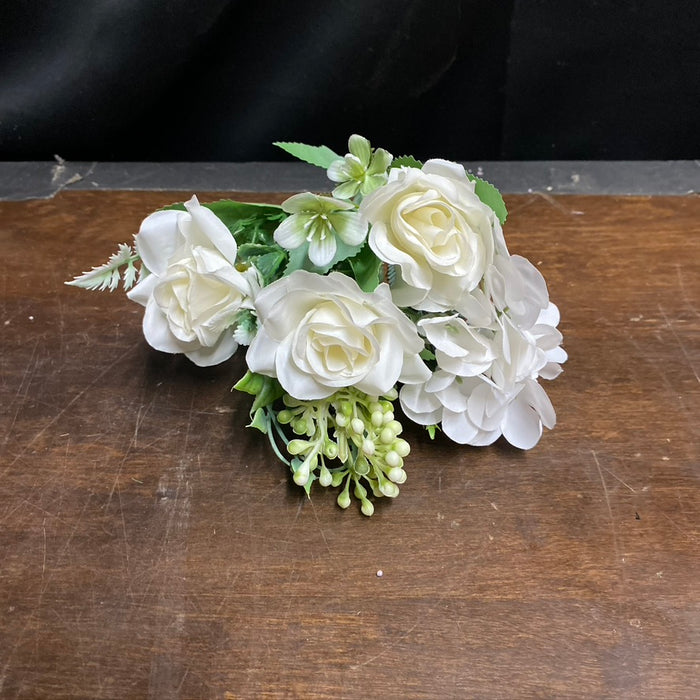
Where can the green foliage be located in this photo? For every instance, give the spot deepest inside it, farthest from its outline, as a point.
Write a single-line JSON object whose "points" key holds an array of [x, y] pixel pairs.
{"points": [[432, 430], [265, 389], [366, 268], [253, 226], [322, 156], [490, 196], [248, 223], [406, 162]]}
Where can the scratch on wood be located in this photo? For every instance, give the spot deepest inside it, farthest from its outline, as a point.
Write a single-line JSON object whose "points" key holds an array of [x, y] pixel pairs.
{"points": [[74, 400], [387, 648], [615, 476], [680, 344], [557, 205], [607, 503], [684, 293]]}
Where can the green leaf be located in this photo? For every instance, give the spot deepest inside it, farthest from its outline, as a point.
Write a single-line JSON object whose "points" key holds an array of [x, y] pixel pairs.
{"points": [[248, 222], [269, 265], [490, 196], [406, 162], [427, 354], [366, 268], [265, 389], [432, 430], [259, 421], [322, 156]]}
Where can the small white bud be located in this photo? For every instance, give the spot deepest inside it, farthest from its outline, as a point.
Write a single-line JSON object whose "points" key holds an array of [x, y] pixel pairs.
{"points": [[393, 459], [397, 475], [402, 448], [387, 436]]}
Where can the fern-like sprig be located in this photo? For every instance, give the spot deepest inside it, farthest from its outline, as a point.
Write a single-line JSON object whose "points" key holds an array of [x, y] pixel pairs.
{"points": [[107, 276]]}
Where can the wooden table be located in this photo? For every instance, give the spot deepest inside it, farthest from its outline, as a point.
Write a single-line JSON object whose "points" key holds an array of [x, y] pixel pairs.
{"points": [[152, 547]]}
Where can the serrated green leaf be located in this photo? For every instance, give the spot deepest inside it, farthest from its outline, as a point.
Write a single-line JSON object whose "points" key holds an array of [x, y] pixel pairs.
{"points": [[405, 162], [321, 156], [490, 196], [269, 265]]}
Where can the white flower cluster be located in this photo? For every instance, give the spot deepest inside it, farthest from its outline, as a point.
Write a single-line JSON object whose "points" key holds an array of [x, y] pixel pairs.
{"points": [[400, 284], [486, 313]]}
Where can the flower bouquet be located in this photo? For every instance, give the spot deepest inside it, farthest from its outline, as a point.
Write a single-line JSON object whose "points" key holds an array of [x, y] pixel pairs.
{"points": [[397, 287]]}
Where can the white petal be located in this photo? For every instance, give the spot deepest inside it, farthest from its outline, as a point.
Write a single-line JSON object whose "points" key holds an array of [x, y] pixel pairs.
{"points": [[445, 168], [420, 406], [143, 291], [206, 228], [322, 250], [458, 427], [157, 331], [350, 227], [216, 354], [260, 356], [290, 234], [158, 238], [521, 425], [414, 370]]}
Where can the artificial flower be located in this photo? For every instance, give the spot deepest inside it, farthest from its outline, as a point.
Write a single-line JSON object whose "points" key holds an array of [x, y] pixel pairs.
{"points": [[459, 348], [321, 333], [431, 225], [317, 220], [517, 286], [400, 286], [505, 399], [360, 171], [193, 291]]}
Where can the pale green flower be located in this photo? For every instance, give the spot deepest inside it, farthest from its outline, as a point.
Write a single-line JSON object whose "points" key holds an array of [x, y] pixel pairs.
{"points": [[361, 170], [318, 220]]}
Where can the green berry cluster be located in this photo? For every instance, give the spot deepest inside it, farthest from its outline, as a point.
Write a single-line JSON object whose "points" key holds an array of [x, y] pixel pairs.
{"points": [[356, 430]]}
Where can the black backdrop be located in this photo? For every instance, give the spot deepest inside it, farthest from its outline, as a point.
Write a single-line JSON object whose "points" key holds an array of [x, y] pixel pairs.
{"points": [[465, 79]]}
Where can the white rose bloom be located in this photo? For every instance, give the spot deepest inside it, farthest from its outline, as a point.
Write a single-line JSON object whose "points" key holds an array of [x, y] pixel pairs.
{"points": [[319, 333], [506, 399], [436, 230], [193, 291]]}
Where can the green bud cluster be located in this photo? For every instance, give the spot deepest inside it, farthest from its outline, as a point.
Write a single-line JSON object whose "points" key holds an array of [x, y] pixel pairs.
{"points": [[349, 438]]}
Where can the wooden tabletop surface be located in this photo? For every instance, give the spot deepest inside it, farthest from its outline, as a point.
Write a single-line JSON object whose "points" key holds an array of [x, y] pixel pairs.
{"points": [[150, 546]]}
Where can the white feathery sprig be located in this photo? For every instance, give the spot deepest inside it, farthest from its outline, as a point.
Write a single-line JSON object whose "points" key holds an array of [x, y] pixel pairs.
{"points": [[107, 276]]}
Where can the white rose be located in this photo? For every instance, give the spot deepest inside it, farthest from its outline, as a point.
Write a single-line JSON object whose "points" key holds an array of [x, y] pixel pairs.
{"points": [[432, 225], [193, 291], [321, 333]]}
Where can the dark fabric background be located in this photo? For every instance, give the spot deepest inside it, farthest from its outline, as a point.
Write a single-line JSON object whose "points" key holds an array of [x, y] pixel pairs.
{"points": [[222, 79]]}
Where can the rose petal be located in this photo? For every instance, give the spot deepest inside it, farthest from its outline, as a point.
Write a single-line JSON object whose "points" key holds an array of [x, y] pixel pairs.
{"points": [[157, 240]]}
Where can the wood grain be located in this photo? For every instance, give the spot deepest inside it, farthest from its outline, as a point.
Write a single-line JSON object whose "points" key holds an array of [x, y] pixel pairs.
{"points": [[152, 547]]}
